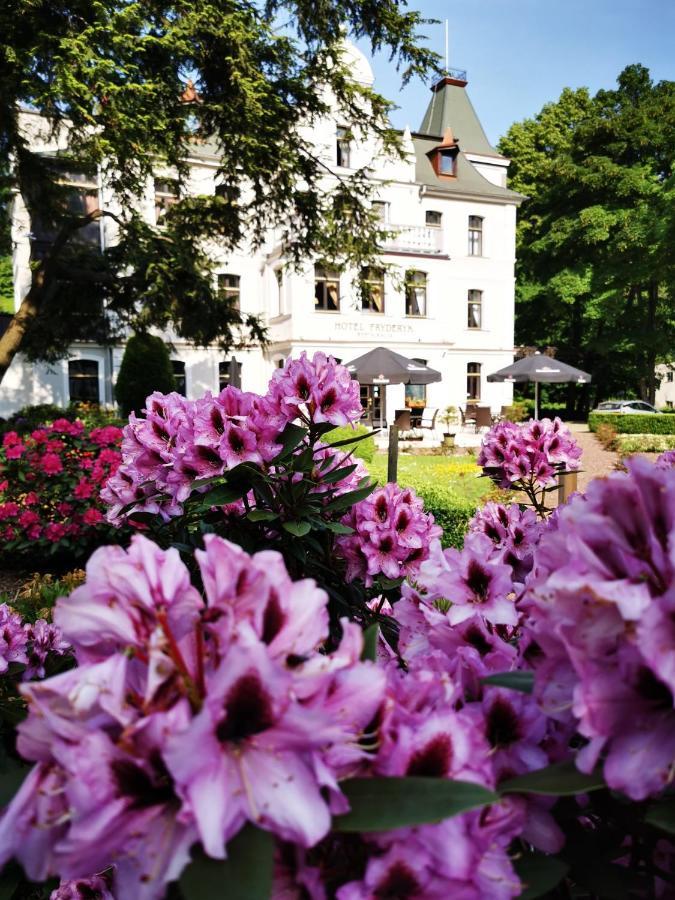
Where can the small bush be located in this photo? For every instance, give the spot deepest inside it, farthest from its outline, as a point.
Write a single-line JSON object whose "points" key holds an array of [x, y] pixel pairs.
{"points": [[644, 443], [452, 513], [36, 597], [518, 411], [625, 423], [364, 449], [146, 367], [28, 418], [606, 434]]}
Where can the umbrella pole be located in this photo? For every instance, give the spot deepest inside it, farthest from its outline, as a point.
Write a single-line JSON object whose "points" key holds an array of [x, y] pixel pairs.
{"points": [[536, 399]]}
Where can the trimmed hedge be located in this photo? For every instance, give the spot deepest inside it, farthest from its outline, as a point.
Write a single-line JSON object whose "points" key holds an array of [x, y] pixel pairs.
{"points": [[452, 513], [364, 449], [644, 443], [625, 423]]}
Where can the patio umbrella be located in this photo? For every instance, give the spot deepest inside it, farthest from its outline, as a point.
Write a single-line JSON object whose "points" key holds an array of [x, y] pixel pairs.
{"points": [[540, 368], [381, 366]]}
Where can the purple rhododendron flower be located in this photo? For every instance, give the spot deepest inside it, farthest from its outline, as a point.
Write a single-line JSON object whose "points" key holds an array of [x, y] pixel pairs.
{"points": [[13, 638], [186, 718], [316, 390], [600, 614], [95, 888], [43, 638]]}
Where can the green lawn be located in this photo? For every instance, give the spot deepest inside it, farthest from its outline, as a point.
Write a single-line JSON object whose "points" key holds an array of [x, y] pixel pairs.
{"points": [[459, 475]]}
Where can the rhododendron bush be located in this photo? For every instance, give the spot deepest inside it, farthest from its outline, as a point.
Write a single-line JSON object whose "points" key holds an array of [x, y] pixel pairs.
{"points": [[286, 688], [50, 481]]}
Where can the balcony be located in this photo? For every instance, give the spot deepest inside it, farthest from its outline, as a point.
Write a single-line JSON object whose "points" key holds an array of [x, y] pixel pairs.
{"points": [[416, 239]]}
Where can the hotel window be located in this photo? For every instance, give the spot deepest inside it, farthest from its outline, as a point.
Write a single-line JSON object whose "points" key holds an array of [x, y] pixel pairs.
{"points": [[473, 382], [326, 290], [166, 195], [343, 147], [372, 289], [229, 288], [179, 375], [83, 381], [415, 293], [229, 374], [382, 211], [433, 217], [475, 236], [475, 309], [416, 394], [81, 199]]}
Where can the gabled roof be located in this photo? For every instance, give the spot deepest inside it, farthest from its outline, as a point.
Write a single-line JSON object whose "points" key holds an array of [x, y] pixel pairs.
{"points": [[450, 107], [468, 180]]}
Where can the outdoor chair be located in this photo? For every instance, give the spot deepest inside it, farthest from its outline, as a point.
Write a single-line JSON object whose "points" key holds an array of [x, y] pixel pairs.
{"points": [[403, 420], [427, 420], [483, 417], [468, 416]]}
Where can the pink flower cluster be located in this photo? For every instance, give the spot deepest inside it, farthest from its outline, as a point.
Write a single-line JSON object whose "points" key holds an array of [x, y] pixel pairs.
{"points": [[514, 533], [26, 643], [186, 718], [179, 441], [50, 481], [601, 606], [391, 535], [529, 453]]}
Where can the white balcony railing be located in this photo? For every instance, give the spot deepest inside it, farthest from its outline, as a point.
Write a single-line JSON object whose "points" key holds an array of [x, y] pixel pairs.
{"points": [[415, 239]]}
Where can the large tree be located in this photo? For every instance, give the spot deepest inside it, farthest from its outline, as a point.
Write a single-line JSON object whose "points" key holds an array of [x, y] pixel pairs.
{"points": [[114, 74], [595, 274]]}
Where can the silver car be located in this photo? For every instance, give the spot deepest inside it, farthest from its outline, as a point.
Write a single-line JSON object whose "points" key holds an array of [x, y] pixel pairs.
{"points": [[625, 406]]}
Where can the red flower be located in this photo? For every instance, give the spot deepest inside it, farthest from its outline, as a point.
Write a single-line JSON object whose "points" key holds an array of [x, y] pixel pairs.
{"points": [[31, 499], [10, 439], [64, 508], [51, 464], [55, 531], [15, 451], [82, 490], [92, 517], [28, 518]]}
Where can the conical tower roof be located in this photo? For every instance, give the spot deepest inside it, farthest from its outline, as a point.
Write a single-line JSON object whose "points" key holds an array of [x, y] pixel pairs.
{"points": [[450, 107]]}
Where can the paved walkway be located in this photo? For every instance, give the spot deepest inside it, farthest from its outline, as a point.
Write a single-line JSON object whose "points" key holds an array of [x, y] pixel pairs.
{"points": [[596, 461]]}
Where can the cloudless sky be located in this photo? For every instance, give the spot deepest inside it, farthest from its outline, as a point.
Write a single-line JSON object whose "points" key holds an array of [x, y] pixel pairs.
{"points": [[519, 54]]}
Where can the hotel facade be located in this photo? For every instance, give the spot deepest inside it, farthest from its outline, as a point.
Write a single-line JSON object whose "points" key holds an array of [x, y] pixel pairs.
{"points": [[443, 294]]}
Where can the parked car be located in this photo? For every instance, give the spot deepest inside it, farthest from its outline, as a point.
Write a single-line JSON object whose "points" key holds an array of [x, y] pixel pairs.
{"points": [[625, 406]]}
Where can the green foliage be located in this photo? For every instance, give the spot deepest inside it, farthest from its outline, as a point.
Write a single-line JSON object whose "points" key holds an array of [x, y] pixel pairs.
{"points": [[557, 780], [642, 443], [36, 597], [116, 72], [625, 423], [380, 804], [29, 418], [540, 874], [363, 447], [146, 367], [247, 871], [6, 285], [595, 272]]}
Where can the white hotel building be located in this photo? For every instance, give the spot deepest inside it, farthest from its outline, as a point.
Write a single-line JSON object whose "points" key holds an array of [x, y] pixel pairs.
{"points": [[444, 294]]}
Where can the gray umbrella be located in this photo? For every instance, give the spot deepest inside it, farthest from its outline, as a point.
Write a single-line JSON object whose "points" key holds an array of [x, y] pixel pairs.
{"points": [[540, 368], [380, 366]]}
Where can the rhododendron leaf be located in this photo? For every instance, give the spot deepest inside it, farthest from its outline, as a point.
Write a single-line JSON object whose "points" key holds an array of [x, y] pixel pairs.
{"points": [[370, 636], [12, 774], [345, 501], [539, 874], [517, 681], [661, 814], [10, 878], [297, 529], [380, 804], [289, 439], [246, 874], [338, 528], [557, 780], [221, 495], [353, 440], [262, 515], [337, 474]]}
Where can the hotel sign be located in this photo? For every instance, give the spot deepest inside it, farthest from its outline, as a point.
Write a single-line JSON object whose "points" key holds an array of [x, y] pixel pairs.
{"points": [[370, 330]]}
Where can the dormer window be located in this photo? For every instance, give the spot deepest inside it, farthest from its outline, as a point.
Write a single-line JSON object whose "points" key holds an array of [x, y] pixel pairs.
{"points": [[444, 156]]}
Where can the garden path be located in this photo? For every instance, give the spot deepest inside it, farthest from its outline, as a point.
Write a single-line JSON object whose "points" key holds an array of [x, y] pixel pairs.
{"points": [[596, 461]]}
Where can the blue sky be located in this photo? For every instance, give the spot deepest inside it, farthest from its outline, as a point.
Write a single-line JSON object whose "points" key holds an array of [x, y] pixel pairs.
{"points": [[519, 54]]}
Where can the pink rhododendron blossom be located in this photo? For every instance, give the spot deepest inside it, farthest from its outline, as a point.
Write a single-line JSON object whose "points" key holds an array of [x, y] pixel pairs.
{"points": [[13, 638], [43, 639], [185, 719], [95, 888], [392, 535], [316, 390], [51, 464], [599, 612]]}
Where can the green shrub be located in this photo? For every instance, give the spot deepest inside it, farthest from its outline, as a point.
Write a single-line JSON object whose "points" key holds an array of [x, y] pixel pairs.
{"points": [[28, 418], [146, 367], [364, 449], [606, 434], [95, 416], [625, 423], [452, 513], [644, 443]]}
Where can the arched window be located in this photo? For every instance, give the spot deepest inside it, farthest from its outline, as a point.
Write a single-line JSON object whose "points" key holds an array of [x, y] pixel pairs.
{"points": [[475, 236], [473, 382], [326, 289], [178, 367], [83, 383], [372, 289]]}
